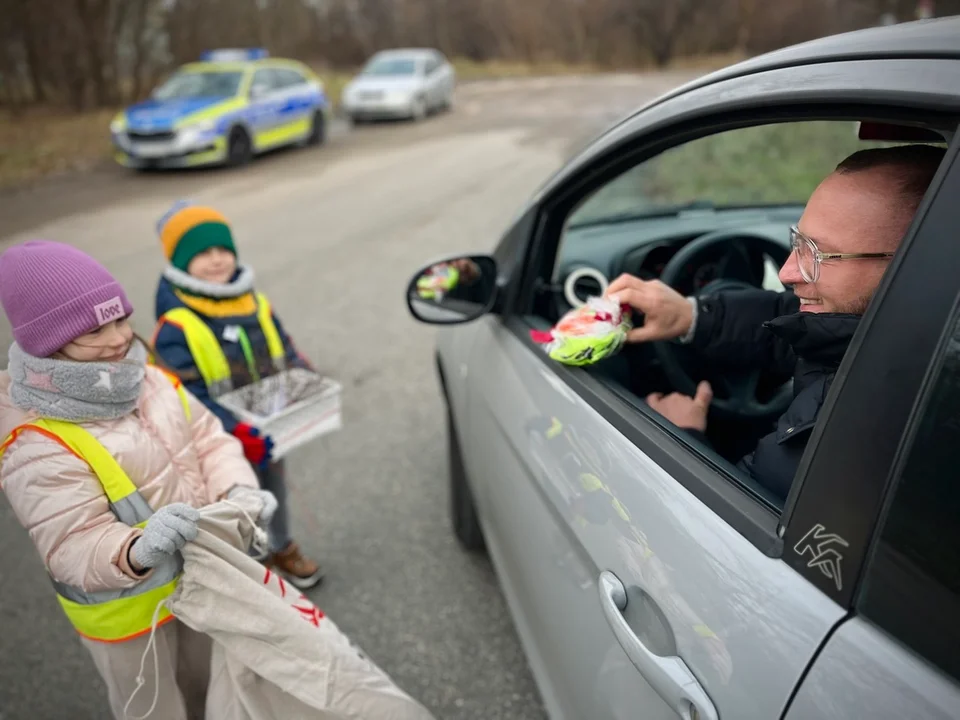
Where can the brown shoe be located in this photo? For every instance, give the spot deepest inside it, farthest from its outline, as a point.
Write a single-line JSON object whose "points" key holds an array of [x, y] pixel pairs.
{"points": [[300, 570]]}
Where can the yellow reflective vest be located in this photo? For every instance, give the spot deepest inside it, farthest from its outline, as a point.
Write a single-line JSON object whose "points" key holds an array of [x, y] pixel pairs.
{"points": [[109, 615], [204, 346]]}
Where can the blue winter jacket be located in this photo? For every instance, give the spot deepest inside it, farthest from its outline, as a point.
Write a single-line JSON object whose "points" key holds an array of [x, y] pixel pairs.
{"points": [[170, 344]]}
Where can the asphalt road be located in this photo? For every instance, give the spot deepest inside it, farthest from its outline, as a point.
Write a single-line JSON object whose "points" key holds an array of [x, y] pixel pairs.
{"points": [[334, 234]]}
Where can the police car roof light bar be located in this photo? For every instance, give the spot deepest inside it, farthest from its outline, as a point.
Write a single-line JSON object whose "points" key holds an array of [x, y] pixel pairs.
{"points": [[233, 54]]}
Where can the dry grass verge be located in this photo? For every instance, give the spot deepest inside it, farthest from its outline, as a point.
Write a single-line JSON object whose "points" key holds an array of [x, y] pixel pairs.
{"points": [[43, 142]]}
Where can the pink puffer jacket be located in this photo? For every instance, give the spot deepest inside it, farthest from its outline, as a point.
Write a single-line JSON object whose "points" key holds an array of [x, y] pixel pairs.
{"points": [[59, 500]]}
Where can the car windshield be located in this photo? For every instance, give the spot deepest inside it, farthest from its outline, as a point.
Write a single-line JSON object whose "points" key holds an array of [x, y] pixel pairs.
{"points": [[777, 164], [200, 84], [390, 66]]}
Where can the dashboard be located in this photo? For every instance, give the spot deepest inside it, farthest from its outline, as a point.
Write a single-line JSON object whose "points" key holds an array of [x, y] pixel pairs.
{"points": [[590, 257], [648, 264]]}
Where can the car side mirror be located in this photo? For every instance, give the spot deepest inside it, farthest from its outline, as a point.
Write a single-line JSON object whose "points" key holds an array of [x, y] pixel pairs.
{"points": [[453, 291], [258, 91]]}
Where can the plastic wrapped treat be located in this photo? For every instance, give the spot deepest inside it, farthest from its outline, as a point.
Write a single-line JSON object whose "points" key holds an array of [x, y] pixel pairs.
{"points": [[440, 279], [587, 334]]}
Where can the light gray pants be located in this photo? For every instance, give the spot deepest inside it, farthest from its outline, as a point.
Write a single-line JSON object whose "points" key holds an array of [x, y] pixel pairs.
{"points": [[274, 479], [183, 672]]}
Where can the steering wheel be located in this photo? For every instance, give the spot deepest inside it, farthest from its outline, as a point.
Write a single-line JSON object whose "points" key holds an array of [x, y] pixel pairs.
{"points": [[739, 387]]}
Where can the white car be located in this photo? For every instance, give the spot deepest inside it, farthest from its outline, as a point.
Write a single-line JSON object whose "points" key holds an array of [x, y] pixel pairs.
{"points": [[401, 83]]}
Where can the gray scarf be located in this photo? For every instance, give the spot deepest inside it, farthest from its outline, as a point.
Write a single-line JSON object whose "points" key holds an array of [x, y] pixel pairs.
{"points": [[77, 391], [218, 291]]}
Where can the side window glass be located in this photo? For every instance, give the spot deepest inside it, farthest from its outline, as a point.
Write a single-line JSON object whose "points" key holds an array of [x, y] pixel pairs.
{"points": [[756, 167], [263, 81], [912, 587], [290, 78], [745, 187]]}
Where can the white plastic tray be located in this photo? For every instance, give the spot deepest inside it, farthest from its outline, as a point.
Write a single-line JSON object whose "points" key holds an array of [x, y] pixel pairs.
{"points": [[266, 406]]}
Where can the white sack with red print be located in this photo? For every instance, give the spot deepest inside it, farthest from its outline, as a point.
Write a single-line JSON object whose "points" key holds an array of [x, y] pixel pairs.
{"points": [[275, 653]]}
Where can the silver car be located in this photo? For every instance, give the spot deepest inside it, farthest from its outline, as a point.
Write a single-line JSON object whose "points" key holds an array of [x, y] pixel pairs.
{"points": [[647, 577], [401, 83]]}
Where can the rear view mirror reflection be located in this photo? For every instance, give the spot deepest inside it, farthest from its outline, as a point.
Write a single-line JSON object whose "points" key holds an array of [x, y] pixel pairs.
{"points": [[453, 291]]}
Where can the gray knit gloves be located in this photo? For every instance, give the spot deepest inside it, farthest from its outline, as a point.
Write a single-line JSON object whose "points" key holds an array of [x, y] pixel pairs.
{"points": [[166, 532]]}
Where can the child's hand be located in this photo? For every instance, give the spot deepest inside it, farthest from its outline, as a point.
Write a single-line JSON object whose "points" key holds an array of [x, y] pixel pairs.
{"points": [[267, 499], [257, 448], [166, 532]]}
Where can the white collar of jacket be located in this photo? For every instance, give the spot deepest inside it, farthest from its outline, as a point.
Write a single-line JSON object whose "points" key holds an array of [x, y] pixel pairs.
{"points": [[242, 285], [77, 391]]}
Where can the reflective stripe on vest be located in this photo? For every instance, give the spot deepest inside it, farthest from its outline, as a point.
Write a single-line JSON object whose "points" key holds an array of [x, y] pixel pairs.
{"points": [[110, 615], [207, 353]]}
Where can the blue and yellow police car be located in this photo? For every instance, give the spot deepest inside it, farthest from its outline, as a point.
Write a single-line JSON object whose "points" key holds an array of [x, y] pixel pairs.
{"points": [[223, 110]]}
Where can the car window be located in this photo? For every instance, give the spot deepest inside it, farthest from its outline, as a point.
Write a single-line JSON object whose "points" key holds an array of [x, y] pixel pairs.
{"points": [[390, 66], [194, 84], [773, 164], [432, 64], [760, 166], [756, 180], [287, 78], [912, 587], [264, 78]]}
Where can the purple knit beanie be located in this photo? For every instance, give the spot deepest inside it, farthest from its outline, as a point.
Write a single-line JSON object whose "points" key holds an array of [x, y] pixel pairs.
{"points": [[53, 293]]}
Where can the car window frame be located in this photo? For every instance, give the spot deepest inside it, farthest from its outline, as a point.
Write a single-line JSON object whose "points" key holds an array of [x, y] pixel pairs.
{"points": [[868, 464], [917, 593], [760, 525]]}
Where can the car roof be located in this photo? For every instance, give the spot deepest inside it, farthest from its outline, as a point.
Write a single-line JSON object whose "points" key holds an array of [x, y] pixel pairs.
{"points": [[923, 39], [240, 65], [412, 52]]}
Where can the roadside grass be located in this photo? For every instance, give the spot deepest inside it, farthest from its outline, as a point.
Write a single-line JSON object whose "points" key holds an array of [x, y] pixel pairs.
{"points": [[769, 164], [46, 141], [780, 163]]}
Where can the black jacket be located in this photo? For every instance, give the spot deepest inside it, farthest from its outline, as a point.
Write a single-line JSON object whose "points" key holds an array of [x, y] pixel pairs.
{"points": [[762, 329]]}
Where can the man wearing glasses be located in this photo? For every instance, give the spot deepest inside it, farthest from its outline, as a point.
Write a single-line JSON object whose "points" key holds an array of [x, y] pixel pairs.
{"points": [[842, 245]]}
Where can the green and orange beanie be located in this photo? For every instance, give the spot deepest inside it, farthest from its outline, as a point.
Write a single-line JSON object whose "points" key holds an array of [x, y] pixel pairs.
{"points": [[186, 230]]}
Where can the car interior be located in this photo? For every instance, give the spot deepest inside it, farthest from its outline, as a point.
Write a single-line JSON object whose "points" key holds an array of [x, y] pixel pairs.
{"points": [[702, 228]]}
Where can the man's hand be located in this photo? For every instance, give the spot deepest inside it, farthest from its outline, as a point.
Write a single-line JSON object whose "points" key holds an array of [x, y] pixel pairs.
{"points": [[682, 410], [667, 313]]}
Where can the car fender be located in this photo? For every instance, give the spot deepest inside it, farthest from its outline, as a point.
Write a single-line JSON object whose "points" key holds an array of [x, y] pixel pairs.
{"points": [[237, 119], [453, 348]]}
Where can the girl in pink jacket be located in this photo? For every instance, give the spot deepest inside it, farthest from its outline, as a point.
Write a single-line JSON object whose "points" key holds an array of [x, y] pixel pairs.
{"points": [[104, 461]]}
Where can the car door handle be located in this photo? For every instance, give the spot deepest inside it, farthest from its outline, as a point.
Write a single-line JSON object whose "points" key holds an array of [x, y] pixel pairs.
{"points": [[668, 676]]}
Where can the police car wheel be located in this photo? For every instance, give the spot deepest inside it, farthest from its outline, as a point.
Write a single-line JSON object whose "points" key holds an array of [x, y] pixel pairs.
{"points": [[239, 147], [463, 512], [318, 129]]}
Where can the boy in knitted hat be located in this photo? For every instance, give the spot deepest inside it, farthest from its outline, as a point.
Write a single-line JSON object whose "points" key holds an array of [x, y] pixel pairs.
{"points": [[204, 285]]}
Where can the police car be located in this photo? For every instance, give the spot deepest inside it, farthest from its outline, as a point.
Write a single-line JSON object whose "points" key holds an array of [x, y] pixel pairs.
{"points": [[224, 109]]}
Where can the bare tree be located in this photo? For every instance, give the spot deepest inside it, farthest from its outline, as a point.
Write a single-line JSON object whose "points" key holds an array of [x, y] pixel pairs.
{"points": [[85, 53]]}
